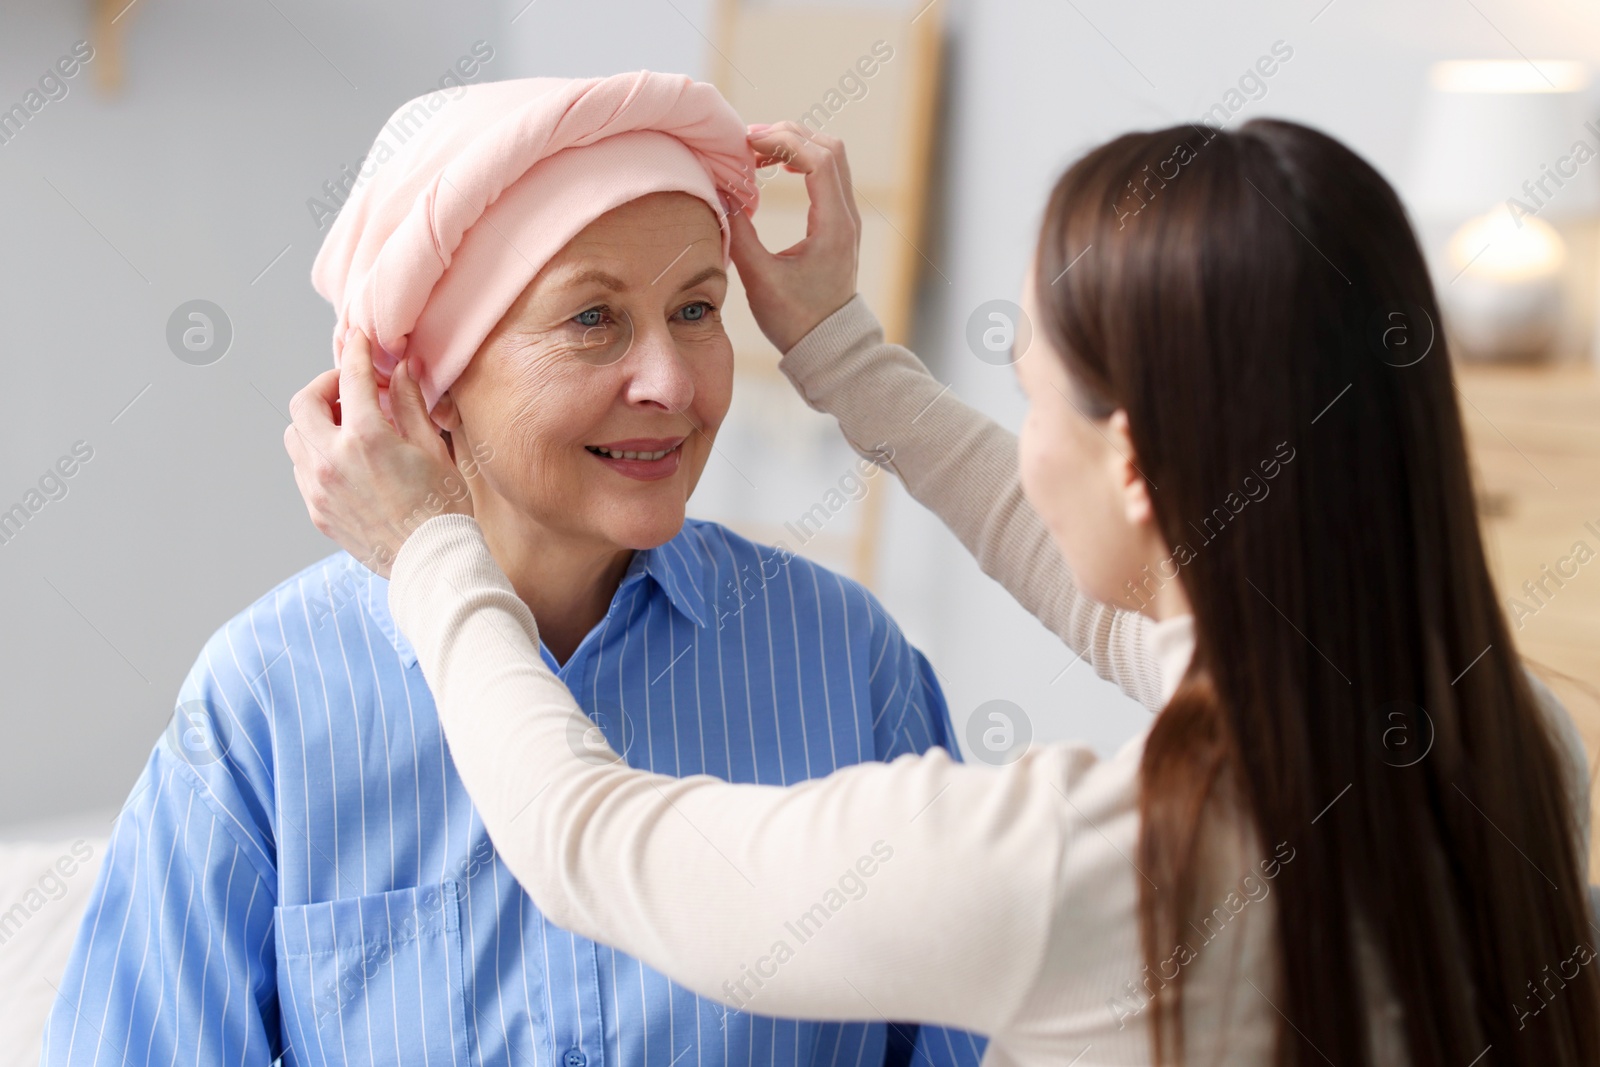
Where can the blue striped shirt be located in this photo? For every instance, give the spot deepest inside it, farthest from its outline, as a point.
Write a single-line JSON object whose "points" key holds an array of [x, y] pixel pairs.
{"points": [[300, 874]]}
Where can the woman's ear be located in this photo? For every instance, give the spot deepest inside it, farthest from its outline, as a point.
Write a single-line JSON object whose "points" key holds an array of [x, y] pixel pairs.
{"points": [[447, 417], [445, 414], [1131, 482]]}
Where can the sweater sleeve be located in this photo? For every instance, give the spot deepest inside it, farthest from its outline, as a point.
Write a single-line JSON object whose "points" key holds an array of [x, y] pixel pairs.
{"points": [[962, 466], [875, 892]]}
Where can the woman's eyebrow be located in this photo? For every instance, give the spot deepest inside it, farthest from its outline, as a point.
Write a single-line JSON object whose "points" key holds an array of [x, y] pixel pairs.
{"points": [[612, 282], [704, 275], [583, 277]]}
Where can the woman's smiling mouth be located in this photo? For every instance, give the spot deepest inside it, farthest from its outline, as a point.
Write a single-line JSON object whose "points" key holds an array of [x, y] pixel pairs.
{"points": [[643, 459]]}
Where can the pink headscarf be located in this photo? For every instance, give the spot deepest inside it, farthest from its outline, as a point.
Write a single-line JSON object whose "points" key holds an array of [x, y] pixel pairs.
{"points": [[463, 199]]}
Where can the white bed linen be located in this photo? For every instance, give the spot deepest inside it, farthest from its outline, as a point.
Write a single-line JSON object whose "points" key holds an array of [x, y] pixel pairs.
{"points": [[44, 887]]}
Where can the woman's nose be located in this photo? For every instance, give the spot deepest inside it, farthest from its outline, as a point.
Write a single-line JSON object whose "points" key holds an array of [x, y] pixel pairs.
{"points": [[658, 372]]}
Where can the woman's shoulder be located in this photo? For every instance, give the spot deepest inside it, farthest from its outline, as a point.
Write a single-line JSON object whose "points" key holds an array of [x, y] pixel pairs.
{"points": [[1570, 749]]}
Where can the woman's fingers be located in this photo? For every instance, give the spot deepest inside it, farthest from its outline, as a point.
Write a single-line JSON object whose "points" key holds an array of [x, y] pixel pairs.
{"points": [[791, 291], [796, 149], [833, 208], [368, 483], [314, 409], [744, 245], [358, 384], [794, 133], [410, 411], [312, 437], [836, 146]]}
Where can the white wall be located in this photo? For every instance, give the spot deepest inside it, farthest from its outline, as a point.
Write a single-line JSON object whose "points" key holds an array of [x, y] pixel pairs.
{"points": [[191, 182]]}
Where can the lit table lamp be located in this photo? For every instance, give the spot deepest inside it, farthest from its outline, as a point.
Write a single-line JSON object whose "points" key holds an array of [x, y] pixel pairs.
{"points": [[1508, 154]]}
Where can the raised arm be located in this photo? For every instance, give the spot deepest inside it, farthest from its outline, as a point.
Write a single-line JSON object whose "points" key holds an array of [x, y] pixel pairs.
{"points": [[962, 466], [871, 893], [957, 462]]}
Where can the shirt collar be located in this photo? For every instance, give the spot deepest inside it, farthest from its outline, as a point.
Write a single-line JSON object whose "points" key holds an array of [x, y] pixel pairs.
{"points": [[678, 568], [376, 601]]}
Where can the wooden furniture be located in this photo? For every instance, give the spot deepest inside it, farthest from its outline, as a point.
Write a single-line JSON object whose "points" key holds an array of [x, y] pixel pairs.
{"points": [[110, 18], [1534, 434]]}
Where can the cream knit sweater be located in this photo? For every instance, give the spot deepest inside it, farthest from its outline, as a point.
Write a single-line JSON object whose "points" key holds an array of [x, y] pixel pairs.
{"points": [[998, 900]]}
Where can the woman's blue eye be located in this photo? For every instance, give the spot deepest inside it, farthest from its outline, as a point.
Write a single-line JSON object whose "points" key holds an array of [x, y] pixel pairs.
{"points": [[702, 308], [591, 317]]}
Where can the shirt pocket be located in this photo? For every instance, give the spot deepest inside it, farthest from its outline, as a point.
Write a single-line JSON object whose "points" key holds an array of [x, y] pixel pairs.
{"points": [[373, 979]]}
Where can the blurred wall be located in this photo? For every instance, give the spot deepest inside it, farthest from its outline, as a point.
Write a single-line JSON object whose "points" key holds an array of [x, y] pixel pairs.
{"points": [[193, 184]]}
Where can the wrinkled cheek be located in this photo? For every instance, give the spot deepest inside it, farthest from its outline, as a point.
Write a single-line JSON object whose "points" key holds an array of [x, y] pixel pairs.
{"points": [[713, 387], [544, 402], [698, 448], [532, 462]]}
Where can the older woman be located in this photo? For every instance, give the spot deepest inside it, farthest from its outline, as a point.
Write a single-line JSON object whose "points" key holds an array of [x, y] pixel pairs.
{"points": [[300, 872]]}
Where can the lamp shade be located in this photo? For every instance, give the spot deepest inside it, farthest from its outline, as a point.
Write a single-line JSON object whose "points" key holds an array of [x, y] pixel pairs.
{"points": [[1492, 130]]}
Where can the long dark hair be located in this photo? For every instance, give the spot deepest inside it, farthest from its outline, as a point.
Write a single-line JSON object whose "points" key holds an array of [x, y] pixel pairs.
{"points": [[1255, 295]]}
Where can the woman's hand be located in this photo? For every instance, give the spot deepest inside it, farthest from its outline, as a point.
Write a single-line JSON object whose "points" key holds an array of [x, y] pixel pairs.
{"points": [[792, 291], [366, 482]]}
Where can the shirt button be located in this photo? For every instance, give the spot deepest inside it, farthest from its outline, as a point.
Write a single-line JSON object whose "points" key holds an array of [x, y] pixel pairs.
{"points": [[574, 1057]]}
